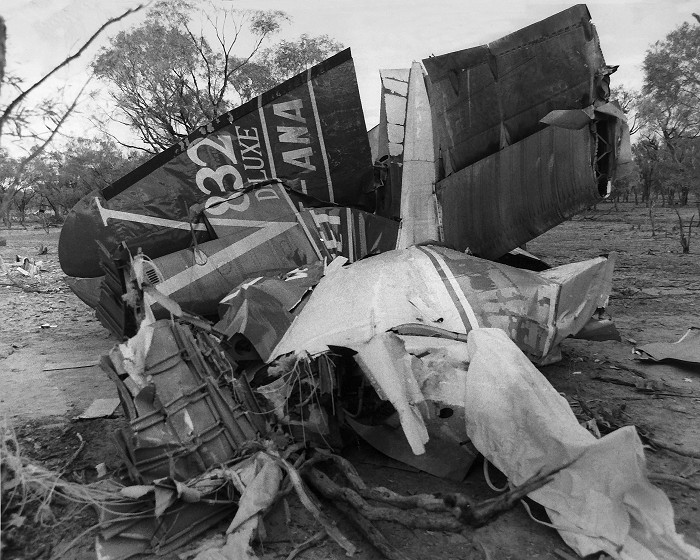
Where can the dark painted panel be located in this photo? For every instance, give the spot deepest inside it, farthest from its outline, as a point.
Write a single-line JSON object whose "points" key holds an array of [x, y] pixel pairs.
{"points": [[513, 196], [309, 129]]}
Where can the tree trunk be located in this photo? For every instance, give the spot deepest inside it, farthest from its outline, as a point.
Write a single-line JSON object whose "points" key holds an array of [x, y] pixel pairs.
{"points": [[685, 240], [684, 196], [55, 208], [651, 218], [6, 206]]}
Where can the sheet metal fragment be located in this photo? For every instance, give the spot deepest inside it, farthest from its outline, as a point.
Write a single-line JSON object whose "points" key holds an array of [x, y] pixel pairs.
{"points": [[686, 349]]}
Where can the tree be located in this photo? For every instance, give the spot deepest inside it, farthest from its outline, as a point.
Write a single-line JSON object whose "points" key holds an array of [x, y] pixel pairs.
{"points": [[63, 177], [38, 122], [669, 107], [629, 103], [22, 202], [286, 59], [166, 78], [8, 169], [646, 156], [3, 36]]}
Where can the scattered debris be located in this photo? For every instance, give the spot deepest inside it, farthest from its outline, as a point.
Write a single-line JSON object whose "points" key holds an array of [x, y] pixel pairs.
{"points": [[656, 388], [77, 452], [58, 366], [686, 349], [99, 408], [28, 266], [6, 350], [675, 479], [676, 449], [309, 543]]}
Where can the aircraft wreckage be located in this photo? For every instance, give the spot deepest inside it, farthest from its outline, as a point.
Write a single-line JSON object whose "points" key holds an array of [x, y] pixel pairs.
{"points": [[283, 276]]}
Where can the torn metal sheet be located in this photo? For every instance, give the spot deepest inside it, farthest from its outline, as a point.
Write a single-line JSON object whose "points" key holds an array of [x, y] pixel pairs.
{"points": [[526, 135], [309, 129], [442, 458], [492, 96], [389, 367], [519, 159], [295, 392], [603, 501], [87, 289], [169, 513], [423, 378], [599, 329], [444, 288], [686, 349], [262, 309], [390, 135], [163, 535], [519, 258], [100, 408]]}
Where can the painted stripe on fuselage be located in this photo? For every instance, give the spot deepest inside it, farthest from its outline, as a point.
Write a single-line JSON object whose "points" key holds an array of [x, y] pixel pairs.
{"points": [[220, 258]]}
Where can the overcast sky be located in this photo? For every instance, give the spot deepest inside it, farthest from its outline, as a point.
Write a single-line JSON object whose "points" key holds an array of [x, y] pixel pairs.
{"points": [[381, 33]]}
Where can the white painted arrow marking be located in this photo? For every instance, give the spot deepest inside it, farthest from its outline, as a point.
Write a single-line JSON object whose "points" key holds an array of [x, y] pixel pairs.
{"points": [[107, 214]]}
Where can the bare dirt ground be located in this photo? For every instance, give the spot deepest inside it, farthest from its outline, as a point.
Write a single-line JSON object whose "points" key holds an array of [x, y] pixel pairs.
{"points": [[47, 377]]}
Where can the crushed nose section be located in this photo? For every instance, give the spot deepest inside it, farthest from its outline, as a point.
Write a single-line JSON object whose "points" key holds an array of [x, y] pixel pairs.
{"points": [[439, 287]]}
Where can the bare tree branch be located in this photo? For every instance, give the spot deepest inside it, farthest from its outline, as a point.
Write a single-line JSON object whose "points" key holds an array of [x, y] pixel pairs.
{"points": [[38, 151], [17, 100]]}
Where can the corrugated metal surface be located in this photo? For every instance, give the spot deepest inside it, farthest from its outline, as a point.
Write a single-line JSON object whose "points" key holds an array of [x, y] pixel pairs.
{"points": [[518, 193], [488, 97], [185, 422], [110, 309]]}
